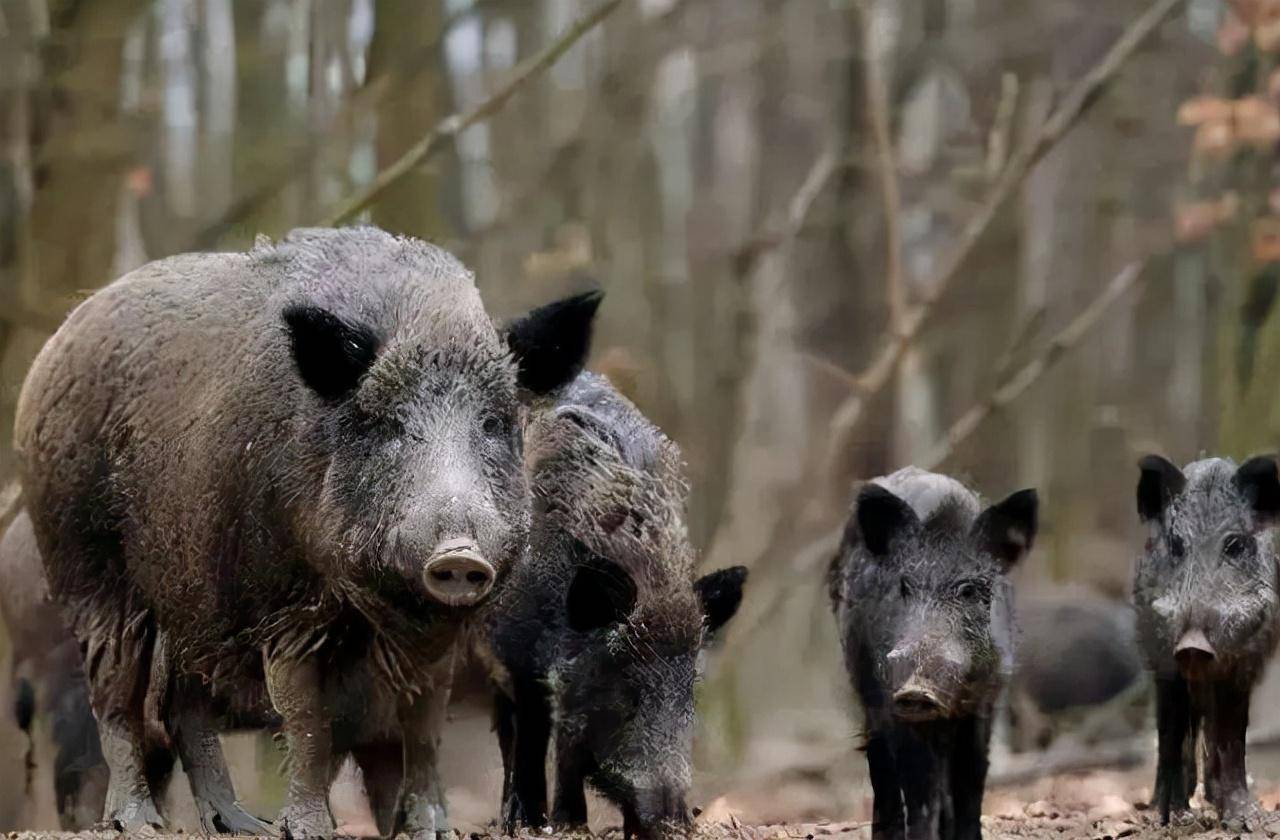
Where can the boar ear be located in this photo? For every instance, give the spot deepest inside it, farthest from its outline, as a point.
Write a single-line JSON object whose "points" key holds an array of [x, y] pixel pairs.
{"points": [[720, 593], [1007, 530], [601, 593], [551, 343], [1258, 481], [331, 355], [1160, 481], [882, 517]]}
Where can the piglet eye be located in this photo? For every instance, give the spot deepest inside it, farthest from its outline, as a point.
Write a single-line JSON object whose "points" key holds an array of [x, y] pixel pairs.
{"points": [[1235, 546]]}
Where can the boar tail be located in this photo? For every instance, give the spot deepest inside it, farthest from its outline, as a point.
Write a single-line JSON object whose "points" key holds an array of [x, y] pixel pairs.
{"points": [[24, 712]]}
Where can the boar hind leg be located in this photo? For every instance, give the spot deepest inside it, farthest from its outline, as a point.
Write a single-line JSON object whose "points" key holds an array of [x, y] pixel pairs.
{"points": [[382, 766], [422, 813], [1226, 723], [296, 692], [195, 731], [887, 815], [117, 662], [526, 804], [1174, 729]]}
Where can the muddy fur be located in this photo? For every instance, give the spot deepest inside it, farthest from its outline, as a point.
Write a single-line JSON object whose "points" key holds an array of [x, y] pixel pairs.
{"points": [[241, 462], [1209, 568], [596, 640], [922, 601]]}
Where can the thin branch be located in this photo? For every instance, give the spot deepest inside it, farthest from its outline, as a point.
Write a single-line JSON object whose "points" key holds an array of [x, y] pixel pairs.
{"points": [[824, 168], [453, 125], [1067, 339], [1082, 95], [877, 93]]}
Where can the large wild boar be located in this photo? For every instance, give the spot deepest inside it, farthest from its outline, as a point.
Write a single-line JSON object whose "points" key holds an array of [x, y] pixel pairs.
{"points": [[1205, 591], [296, 470], [925, 614], [48, 681], [596, 639]]}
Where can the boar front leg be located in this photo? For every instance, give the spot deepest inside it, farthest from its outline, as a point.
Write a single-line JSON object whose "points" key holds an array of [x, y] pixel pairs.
{"points": [[423, 815], [296, 692], [195, 733], [1226, 724], [1173, 725], [570, 810]]}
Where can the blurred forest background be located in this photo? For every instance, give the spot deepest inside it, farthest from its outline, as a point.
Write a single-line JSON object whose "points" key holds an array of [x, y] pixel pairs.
{"points": [[1024, 241]]}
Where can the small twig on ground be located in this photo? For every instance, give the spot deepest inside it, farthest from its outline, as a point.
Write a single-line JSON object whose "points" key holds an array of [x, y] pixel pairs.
{"points": [[452, 126]]}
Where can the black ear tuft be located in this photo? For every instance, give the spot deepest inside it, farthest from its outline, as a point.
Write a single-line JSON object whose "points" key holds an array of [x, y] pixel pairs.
{"points": [[601, 593], [882, 517], [720, 593], [1258, 481], [1160, 481], [331, 354], [1007, 530], [551, 343]]}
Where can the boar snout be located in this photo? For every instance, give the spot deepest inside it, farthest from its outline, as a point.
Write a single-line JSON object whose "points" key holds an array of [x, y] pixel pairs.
{"points": [[658, 812], [457, 575], [918, 701], [1194, 654], [922, 683]]}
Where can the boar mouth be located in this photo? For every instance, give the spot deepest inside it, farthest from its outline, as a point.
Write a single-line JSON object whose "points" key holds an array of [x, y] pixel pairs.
{"points": [[457, 575], [917, 702], [1195, 656]]}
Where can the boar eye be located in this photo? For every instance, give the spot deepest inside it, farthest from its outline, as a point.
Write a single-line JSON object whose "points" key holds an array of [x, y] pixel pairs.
{"points": [[494, 425], [1176, 547], [904, 588], [1236, 545], [969, 590]]}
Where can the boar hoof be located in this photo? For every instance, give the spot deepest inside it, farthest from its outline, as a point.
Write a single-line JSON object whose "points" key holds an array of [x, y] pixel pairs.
{"points": [[136, 815], [423, 819], [224, 818], [302, 823], [1240, 814]]}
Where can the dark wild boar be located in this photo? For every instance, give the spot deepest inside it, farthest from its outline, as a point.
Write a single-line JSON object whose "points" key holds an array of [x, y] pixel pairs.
{"points": [[924, 609], [298, 470], [1080, 672], [1205, 594], [597, 638], [48, 681]]}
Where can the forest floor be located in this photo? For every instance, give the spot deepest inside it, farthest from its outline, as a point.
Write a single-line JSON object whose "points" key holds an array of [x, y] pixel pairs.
{"points": [[1098, 805]]}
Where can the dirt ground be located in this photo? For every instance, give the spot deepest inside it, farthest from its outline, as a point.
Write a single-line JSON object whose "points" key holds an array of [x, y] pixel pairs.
{"points": [[1097, 805]]}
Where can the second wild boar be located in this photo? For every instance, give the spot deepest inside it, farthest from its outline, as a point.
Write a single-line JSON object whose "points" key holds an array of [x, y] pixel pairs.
{"points": [[597, 639]]}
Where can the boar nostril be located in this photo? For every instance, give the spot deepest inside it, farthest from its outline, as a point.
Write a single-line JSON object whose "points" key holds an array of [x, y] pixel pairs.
{"points": [[457, 575], [1194, 654]]}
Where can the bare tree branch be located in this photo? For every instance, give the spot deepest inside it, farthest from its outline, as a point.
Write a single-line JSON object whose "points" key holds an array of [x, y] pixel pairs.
{"points": [[877, 93], [824, 547], [1067, 339], [1085, 92], [455, 124]]}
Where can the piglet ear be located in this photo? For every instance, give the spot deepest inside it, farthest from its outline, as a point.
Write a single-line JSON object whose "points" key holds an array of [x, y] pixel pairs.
{"points": [[1257, 480], [1160, 482], [601, 594], [1008, 529], [720, 593], [882, 518], [551, 343]]}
